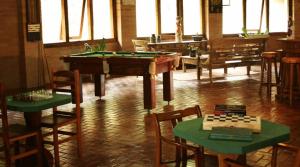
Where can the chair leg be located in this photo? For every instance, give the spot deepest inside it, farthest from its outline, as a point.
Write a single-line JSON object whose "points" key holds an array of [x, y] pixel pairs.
{"points": [[40, 149], [274, 156], [248, 69], [269, 78], [79, 143], [7, 155], [225, 70], [56, 147], [183, 66], [210, 75], [199, 159], [16, 152]]}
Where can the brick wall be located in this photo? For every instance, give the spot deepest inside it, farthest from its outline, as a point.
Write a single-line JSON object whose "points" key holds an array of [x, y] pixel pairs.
{"points": [[126, 21], [296, 16], [9, 45]]}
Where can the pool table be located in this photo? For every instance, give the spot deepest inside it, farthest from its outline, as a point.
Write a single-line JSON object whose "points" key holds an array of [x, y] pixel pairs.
{"points": [[146, 64]]}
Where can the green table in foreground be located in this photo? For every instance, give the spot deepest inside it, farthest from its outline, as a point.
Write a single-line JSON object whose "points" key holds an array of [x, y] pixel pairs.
{"points": [[33, 113], [37, 106], [271, 134]]}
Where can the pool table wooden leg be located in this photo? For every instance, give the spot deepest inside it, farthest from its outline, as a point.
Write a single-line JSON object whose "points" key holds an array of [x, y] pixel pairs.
{"points": [[168, 86], [99, 80], [149, 92]]}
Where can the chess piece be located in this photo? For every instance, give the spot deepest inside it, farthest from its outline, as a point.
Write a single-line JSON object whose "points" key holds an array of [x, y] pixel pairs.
{"points": [[178, 34]]}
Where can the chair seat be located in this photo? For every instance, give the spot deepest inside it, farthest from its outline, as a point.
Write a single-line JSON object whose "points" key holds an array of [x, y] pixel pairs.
{"points": [[57, 120], [17, 131]]}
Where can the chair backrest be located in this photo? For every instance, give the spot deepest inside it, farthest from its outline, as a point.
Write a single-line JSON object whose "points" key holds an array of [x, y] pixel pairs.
{"points": [[140, 45], [67, 82], [173, 117]]}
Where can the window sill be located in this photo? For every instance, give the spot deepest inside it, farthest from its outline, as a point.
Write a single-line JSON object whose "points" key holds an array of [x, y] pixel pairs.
{"points": [[77, 43]]}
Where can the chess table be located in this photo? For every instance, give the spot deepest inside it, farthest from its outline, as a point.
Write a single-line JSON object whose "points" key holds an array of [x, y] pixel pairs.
{"points": [[271, 134]]}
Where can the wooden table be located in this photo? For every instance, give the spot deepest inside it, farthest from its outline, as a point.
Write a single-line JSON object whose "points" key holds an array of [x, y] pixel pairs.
{"points": [[270, 135], [194, 61], [32, 114], [146, 64], [173, 46]]}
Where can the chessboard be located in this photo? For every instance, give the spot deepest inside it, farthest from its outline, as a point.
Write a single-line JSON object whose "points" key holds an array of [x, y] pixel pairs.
{"points": [[250, 122]]}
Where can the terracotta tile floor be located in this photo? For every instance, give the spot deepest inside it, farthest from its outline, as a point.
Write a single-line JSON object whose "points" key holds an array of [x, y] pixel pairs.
{"points": [[117, 131]]}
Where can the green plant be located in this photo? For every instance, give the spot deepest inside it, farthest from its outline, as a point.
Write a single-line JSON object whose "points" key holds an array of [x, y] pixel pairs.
{"points": [[245, 32], [101, 46]]}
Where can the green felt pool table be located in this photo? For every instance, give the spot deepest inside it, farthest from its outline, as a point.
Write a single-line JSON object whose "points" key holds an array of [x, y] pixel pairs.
{"points": [[146, 64]]}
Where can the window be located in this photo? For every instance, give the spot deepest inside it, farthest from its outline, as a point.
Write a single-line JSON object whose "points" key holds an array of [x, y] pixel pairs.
{"points": [[255, 20], [145, 17], [52, 21], [168, 16], [255, 16], [77, 13], [103, 19], [78, 20], [278, 15], [192, 21], [233, 17]]}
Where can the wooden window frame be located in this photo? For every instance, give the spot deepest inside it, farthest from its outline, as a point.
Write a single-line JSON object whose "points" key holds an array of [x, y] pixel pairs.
{"points": [[179, 4], [65, 25], [267, 3]]}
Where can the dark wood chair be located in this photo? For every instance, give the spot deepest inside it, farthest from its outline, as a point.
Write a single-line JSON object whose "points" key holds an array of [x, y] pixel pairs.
{"points": [[181, 146], [140, 45], [64, 82], [15, 135], [280, 146]]}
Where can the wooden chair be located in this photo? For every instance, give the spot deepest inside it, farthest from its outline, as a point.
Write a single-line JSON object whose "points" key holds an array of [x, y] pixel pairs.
{"points": [[64, 82], [180, 144], [140, 45], [296, 150], [291, 148], [15, 135]]}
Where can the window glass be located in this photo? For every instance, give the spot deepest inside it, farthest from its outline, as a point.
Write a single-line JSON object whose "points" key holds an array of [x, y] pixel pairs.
{"points": [[78, 24], [168, 16], [253, 15], [192, 20], [145, 18], [233, 17], [52, 21], [278, 21], [103, 19]]}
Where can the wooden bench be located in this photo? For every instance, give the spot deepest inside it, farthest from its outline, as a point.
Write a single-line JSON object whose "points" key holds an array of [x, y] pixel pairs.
{"points": [[234, 52]]}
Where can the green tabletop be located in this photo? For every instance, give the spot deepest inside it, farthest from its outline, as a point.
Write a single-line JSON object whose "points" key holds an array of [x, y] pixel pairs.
{"points": [[36, 106], [122, 54], [271, 134]]}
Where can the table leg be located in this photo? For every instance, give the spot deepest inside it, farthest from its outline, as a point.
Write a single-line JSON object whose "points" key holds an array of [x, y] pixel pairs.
{"points": [[99, 80], [149, 92], [168, 92], [183, 65], [199, 68], [33, 121]]}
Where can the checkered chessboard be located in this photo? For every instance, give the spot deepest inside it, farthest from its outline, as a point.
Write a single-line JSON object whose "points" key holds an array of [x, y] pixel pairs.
{"points": [[250, 122]]}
